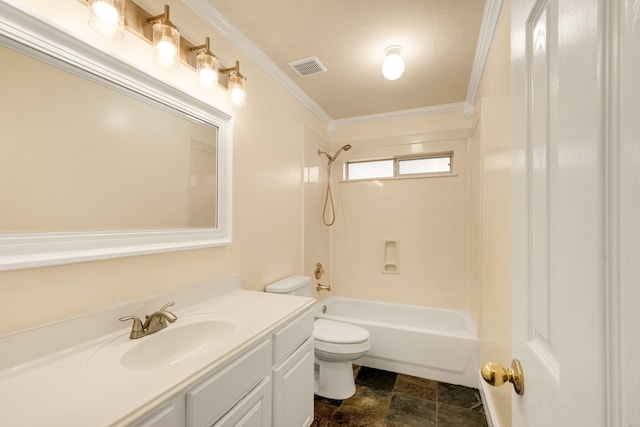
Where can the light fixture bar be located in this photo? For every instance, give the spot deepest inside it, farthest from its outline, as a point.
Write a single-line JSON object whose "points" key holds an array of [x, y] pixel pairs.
{"points": [[137, 21]]}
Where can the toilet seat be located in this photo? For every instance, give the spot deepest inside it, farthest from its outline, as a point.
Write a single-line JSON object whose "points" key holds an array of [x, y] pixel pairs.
{"points": [[338, 333]]}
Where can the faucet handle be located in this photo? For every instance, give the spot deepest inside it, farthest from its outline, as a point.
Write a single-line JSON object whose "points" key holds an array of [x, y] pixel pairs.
{"points": [[169, 304], [137, 330]]}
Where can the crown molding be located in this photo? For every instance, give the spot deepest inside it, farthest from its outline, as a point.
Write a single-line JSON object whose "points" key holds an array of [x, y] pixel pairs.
{"points": [[222, 25], [414, 112], [490, 18]]}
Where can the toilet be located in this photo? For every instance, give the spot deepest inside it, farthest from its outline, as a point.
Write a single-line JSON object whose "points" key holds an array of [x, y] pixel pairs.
{"points": [[337, 344]]}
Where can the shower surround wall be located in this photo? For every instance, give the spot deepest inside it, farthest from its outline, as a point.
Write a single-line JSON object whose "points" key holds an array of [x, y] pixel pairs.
{"points": [[427, 218]]}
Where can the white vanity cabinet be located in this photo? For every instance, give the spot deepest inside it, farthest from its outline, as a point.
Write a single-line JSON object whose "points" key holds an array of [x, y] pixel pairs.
{"points": [[254, 410], [237, 394], [292, 373], [226, 389], [270, 384], [169, 415]]}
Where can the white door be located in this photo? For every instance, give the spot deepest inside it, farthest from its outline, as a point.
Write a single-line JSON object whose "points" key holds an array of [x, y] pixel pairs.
{"points": [[558, 211]]}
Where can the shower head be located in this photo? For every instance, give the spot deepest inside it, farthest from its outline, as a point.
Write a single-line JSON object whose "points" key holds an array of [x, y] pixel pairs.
{"points": [[343, 148], [331, 158]]}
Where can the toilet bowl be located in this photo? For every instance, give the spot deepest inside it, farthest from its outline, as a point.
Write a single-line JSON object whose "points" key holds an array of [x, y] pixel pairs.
{"points": [[337, 344]]}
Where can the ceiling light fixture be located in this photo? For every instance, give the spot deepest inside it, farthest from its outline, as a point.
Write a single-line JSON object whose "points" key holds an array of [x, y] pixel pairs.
{"points": [[393, 65], [236, 87], [206, 65], [166, 40], [107, 17]]}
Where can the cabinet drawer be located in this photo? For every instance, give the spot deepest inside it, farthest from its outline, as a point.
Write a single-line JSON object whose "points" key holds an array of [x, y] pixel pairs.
{"points": [[207, 402], [287, 339]]}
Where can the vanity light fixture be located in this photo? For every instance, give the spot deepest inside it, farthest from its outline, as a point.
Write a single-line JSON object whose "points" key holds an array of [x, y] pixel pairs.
{"points": [[166, 40], [206, 65], [393, 65], [107, 17], [236, 87]]}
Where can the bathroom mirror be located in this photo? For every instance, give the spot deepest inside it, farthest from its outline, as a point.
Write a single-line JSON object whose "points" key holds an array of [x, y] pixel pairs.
{"points": [[99, 160]]}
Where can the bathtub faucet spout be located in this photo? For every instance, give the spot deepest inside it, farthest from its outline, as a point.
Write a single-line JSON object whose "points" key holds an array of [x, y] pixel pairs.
{"points": [[321, 287]]}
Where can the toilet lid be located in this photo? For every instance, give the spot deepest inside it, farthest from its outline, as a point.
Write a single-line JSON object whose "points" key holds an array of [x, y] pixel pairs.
{"points": [[338, 332]]}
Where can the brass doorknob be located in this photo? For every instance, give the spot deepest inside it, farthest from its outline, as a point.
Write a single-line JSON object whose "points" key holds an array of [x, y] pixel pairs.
{"points": [[496, 375]]}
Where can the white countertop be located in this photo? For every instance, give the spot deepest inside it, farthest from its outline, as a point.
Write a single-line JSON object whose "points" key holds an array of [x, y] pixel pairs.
{"points": [[74, 387]]}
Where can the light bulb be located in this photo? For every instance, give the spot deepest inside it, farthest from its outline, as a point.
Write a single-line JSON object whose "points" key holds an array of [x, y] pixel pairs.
{"points": [[237, 91], [208, 78], [166, 45], [207, 66], [393, 65], [107, 17], [166, 51]]}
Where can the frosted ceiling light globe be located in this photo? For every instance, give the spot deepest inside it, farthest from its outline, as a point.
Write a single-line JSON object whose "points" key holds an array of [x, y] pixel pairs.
{"points": [[393, 65]]}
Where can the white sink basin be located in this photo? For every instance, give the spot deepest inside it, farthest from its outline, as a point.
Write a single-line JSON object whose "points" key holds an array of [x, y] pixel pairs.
{"points": [[175, 344], [189, 338]]}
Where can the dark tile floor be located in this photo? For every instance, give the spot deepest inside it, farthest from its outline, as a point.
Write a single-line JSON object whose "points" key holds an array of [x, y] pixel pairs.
{"points": [[387, 399]]}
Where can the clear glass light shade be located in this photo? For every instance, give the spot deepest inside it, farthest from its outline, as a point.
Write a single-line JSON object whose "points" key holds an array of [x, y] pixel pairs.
{"points": [[207, 68], [393, 65], [107, 17], [237, 90], [166, 45]]}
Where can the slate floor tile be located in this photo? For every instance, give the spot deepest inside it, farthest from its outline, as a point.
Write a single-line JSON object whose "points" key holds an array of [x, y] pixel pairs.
{"points": [[376, 378], [387, 399], [410, 411], [458, 395], [421, 388], [456, 416]]}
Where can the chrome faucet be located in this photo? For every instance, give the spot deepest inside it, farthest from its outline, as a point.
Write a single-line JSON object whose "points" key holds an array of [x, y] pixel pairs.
{"points": [[153, 322]]}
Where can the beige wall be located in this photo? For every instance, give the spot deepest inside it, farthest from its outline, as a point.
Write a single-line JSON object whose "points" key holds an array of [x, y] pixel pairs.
{"points": [[490, 211], [267, 193]]}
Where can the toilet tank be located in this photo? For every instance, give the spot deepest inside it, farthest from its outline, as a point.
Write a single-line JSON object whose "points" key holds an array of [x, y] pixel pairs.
{"points": [[292, 285]]}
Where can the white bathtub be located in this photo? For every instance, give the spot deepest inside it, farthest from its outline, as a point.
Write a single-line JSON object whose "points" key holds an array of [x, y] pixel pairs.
{"points": [[428, 342]]}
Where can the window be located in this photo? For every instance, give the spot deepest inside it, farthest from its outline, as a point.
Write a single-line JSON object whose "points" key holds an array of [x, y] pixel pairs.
{"points": [[399, 167], [370, 170]]}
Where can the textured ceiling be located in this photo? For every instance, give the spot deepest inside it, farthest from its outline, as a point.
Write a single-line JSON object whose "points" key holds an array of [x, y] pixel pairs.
{"points": [[438, 38]]}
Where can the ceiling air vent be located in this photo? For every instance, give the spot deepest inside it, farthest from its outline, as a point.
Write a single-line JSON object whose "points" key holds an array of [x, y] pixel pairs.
{"points": [[308, 66]]}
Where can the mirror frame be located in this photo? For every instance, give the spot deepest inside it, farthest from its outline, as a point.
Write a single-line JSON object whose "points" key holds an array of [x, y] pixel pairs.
{"points": [[22, 32]]}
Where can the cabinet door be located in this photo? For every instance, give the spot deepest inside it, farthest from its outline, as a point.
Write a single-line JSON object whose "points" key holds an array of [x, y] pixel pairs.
{"points": [[254, 410], [293, 388], [216, 395]]}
